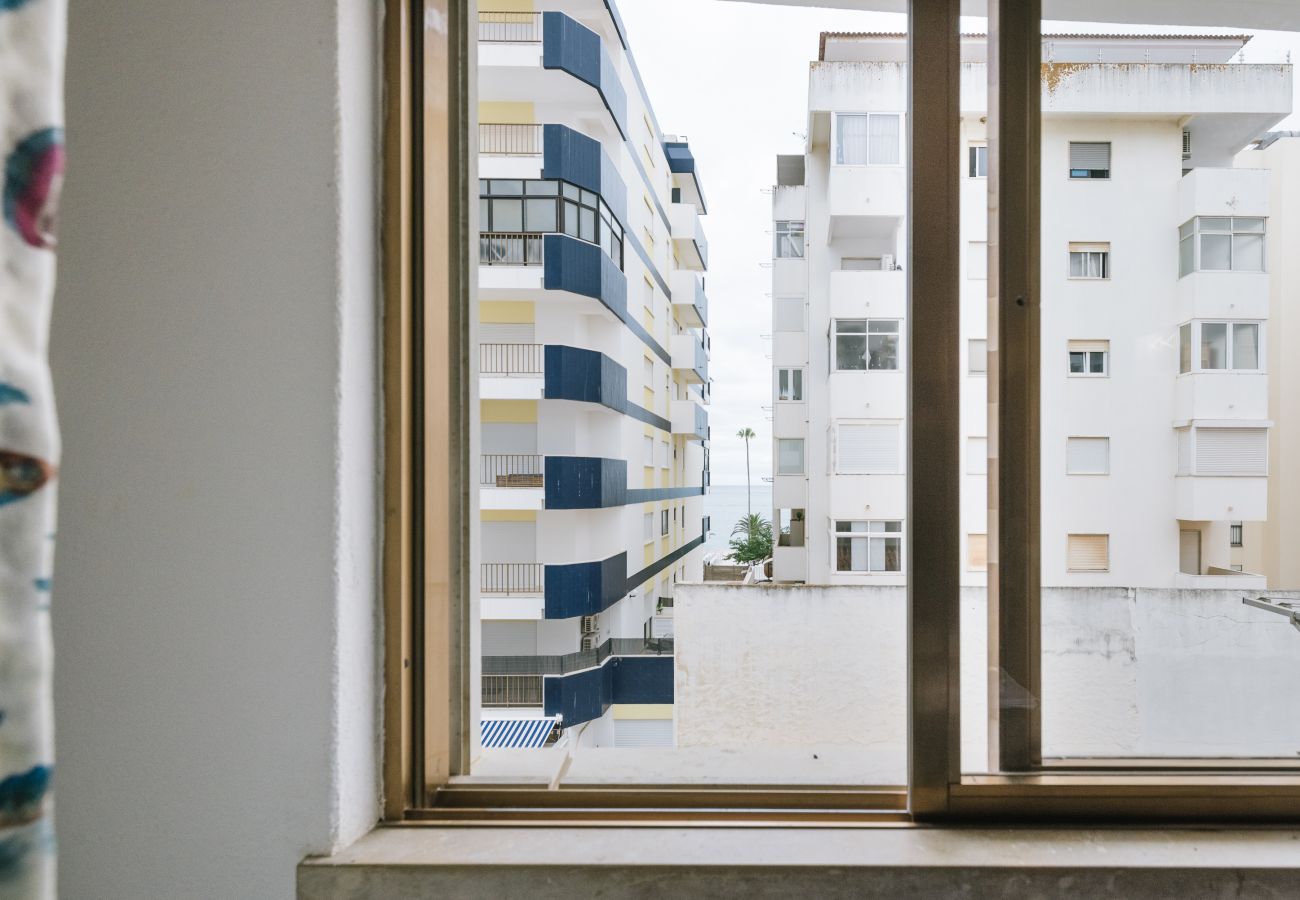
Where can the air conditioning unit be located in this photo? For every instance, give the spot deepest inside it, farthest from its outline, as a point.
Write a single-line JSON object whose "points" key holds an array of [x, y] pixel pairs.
{"points": [[588, 642], [590, 624], [1187, 144]]}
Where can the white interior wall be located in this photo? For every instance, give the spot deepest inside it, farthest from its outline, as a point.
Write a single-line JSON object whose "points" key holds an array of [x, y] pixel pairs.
{"points": [[214, 353]]}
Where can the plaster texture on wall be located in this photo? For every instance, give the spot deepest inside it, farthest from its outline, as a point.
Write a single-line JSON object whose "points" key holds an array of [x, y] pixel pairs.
{"points": [[1125, 672], [214, 351]]}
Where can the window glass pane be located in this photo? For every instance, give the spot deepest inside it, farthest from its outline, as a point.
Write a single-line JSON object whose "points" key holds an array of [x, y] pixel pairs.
{"points": [[882, 351], [1185, 348], [1216, 252], [539, 215], [484, 217], [1098, 362], [1214, 345], [586, 223], [1248, 252], [507, 187], [1077, 264], [783, 384], [571, 218], [507, 215], [590, 199], [1077, 362], [538, 188], [1248, 224], [884, 140], [851, 140], [877, 560], [1186, 256], [798, 384], [851, 326], [851, 352], [789, 456], [1245, 346], [978, 349], [1213, 223], [571, 191]]}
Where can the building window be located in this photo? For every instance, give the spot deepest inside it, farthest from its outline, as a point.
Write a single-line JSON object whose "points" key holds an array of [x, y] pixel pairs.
{"points": [[791, 522], [1089, 159], [979, 162], [663, 523], [648, 527], [667, 457], [1223, 451], [789, 240], [1090, 261], [977, 552], [863, 139], [1087, 553], [1221, 244], [545, 206], [789, 456], [1087, 456], [977, 353], [1089, 359], [866, 344], [789, 385], [863, 449], [1234, 534], [977, 456], [1218, 346], [977, 259], [648, 450], [873, 546]]}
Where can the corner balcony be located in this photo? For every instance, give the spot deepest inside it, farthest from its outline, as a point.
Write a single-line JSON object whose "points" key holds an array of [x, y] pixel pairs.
{"points": [[689, 356], [550, 268], [549, 59], [511, 372], [688, 235], [689, 300], [878, 294], [686, 177], [1211, 191], [1223, 295], [691, 419], [866, 201], [1222, 395]]}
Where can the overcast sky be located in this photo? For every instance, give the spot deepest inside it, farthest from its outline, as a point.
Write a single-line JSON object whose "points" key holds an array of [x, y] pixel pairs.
{"points": [[733, 78]]}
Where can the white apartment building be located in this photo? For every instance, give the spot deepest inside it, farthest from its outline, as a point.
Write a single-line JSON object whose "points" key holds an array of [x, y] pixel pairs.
{"points": [[592, 381], [1155, 323]]}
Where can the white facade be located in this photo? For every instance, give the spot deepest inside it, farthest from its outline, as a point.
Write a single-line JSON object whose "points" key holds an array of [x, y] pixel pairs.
{"points": [[595, 361], [1149, 451]]}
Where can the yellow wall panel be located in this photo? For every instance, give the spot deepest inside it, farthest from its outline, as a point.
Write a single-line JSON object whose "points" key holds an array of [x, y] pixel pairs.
{"points": [[643, 710], [501, 112], [508, 515], [507, 312], [508, 410]]}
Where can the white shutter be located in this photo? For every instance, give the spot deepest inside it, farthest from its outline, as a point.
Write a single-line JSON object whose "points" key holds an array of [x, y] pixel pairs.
{"points": [[1090, 155], [868, 449], [503, 333], [644, 733], [1232, 451], [1088, 553], [1089, 346], [1087, 456]]}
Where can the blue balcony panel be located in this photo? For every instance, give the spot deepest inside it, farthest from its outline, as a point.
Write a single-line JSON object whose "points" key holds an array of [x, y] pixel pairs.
{"points": [[584, 696], [588, 376], [578, 50], [585, 588], [585, 482], [682, 162], [572, 156], [581, 268]]}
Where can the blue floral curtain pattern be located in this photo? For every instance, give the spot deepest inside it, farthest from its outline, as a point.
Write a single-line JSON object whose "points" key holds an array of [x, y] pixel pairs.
{"points": [[31, 146]]}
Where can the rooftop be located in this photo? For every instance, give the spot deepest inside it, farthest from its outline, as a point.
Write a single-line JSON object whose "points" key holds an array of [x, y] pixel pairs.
{"points": [[891, 46]]}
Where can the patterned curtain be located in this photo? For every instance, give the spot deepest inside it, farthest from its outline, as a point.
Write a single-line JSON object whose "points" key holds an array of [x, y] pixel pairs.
{"points": [[31, 142]]}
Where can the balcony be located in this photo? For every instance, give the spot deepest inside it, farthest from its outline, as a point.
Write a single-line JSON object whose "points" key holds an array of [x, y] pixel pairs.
{"points": [[1223, 295], [568, 663], [547, 57], [689, 356], [689, 300], [1210, 191], [866, 201], [790, 564], [868, 294], [505, 691], [1222, 395], [688, 235], [1216, 498], [512, 481], [686, 177], [514, 579], [691, 419], [585, 695], [511, 371], [521, 266]]}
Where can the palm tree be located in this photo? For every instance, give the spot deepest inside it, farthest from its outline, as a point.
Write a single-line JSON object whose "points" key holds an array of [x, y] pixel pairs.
{"points": [[745, 434]]}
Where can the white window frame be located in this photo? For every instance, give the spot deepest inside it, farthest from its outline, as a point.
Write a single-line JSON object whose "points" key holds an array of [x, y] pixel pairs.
{"points": [[1196, 327], [1087, 250], [663, 523], [1110, 163], [1088, 355], [647, 528], [880, 535], [866, 334], [1087, 437], [666, 462], [803, 384], [975, 159], [835, 138], [648, 451], [803, 456], [784, 228], [1192, 230]]}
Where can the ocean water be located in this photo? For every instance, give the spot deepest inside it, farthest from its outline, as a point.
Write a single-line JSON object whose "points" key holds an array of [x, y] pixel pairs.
{"points": [[725, 505]]}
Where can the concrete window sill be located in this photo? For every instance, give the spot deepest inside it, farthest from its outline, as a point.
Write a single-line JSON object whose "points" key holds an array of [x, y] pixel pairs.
{"points": [[889, 862]]}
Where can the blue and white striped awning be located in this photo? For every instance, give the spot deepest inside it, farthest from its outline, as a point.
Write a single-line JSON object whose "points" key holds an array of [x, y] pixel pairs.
{"points": [[517, 732]]}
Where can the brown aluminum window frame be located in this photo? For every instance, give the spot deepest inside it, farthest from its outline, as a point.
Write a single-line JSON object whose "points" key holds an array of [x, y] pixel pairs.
{"points": [[429, 271]]}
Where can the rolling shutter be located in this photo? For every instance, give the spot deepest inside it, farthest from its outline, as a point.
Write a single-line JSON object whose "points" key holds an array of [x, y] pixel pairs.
{"points": [[1092, 155], [503, 333], [643, 733], [868, 449], [1232, 451], [1089, 346], [1087, 456], [1088, 553]]}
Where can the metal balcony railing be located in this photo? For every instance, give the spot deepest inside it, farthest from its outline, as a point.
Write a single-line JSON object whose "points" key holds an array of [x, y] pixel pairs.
{"points": [[510, 27], [511, 470], [512, 690], [498, 248], [510, 359], [511, 578], [578, 660], [509, 140]]}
